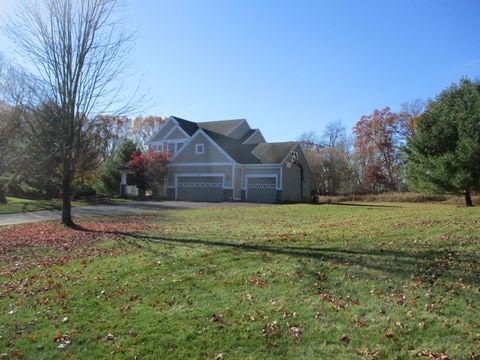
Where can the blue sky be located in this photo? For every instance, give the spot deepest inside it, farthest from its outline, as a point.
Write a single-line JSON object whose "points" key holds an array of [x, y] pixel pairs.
{"points": [[293, 66]]}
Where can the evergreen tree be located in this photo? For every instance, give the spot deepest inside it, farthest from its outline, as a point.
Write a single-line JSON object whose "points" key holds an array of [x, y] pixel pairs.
{"points": [[109, 181], [444, 153]]}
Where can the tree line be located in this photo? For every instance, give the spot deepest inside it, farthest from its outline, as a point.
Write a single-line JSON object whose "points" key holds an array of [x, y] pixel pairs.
{"points": [[428, 146]]}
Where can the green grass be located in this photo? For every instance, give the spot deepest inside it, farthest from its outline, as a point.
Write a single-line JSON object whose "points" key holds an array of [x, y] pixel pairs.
{"points": [[17, 205], [394, 281]]}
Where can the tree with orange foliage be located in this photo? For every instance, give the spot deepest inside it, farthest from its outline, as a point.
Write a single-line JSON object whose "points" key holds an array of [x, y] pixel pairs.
{"points": [[409, 114], [378, 138], [143, 129]]}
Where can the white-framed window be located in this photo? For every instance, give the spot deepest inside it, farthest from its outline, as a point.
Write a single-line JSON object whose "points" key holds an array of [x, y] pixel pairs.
{"points": [[171, 148], [199, 148]]}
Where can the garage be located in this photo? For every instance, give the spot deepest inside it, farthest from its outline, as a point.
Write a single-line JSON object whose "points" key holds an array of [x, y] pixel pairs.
{"points": [[262, 189], [200, 188]]}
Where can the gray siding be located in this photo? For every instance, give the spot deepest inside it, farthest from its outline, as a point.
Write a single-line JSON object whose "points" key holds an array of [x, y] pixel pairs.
{"points": [[237, 185], [169, 125], [177, 134], [291, 180], [211, 153]]}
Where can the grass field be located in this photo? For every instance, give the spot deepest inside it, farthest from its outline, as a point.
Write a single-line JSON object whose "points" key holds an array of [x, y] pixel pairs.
{"points": [[17, 205], [359, 281]]}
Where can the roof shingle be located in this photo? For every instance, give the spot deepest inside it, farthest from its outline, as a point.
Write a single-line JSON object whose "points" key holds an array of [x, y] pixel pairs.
{"points": [[263, 153]]}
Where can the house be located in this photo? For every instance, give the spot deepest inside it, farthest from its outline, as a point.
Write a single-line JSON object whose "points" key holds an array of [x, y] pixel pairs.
{"points": [[229, 161]]}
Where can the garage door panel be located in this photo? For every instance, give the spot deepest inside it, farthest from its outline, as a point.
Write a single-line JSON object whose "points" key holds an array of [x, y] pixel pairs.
{"points": [[262, 189], [200, 188]]}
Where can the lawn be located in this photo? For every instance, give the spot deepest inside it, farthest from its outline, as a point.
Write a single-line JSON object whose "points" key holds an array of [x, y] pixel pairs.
{"points": [[359, 281], [18, 205]]}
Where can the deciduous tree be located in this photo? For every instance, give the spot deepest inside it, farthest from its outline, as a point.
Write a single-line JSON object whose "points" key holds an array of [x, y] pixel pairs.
{"points": [[77, 52], [109, 175], [143, 129], [377, 144], [150, 169]]}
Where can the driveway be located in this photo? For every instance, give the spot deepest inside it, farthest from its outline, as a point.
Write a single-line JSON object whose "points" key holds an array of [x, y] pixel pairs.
{"points": [[120, 208]]}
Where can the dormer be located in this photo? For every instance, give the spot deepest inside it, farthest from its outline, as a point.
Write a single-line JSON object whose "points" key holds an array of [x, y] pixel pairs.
{"points": [[169, 137]]}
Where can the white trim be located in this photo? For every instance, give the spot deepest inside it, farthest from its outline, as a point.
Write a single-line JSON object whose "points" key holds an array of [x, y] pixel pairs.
{"points": [[166, 142], [303, 153], [243, 177], [172, 130], [170, 118], [261, 176], [201, 164], [209, 139], [255, 132], [199, 149], [260, 165], [281, 178], [276, 176], [237, 126], [234, 175], [222, 175], [288, 155]]}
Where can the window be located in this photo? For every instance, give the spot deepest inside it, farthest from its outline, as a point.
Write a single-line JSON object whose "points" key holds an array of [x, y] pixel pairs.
{"points": [[171, 148], [199, 149]]}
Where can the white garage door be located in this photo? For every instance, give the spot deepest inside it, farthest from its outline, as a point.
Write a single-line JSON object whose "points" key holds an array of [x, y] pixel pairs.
{"points": [[200, 188], [262, 189]]}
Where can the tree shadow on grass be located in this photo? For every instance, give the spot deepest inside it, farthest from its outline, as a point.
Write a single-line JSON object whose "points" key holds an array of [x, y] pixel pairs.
{"points": [[429, 265], [373, 206]]}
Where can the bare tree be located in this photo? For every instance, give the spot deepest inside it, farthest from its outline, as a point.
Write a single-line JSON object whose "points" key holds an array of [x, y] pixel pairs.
{"points": [[334, 132], [330, 159], [77, 50]]}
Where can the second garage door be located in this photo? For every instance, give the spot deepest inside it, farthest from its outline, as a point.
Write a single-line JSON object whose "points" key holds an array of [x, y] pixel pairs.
{"points": [[262, 189], [200, 188]]}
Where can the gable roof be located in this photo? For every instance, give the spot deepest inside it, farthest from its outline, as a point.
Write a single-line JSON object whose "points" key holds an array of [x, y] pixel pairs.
{"points": [[217, 131], [273, 153], [247, 135], [188, 126], [241, 153], [223, 127]]}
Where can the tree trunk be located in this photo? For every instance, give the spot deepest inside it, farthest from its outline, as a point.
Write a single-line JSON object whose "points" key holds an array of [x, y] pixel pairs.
{"points": [[67, 200], [3, 195], [468, 199]]}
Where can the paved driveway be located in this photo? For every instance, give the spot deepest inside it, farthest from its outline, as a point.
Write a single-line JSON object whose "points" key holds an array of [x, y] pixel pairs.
{"points": [[120, 208]]}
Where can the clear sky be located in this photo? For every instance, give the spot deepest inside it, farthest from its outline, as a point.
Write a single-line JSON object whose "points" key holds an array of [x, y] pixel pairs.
{"points": [[292, 66]]}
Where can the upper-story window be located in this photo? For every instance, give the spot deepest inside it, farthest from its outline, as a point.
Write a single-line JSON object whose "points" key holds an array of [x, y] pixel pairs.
{"points": [[199, 148]]}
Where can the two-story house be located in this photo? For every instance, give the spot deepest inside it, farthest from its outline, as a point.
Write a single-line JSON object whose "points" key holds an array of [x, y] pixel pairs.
{"points": [[229, 161]]}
